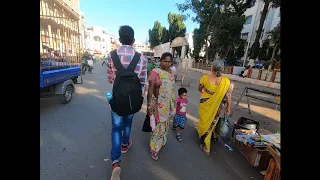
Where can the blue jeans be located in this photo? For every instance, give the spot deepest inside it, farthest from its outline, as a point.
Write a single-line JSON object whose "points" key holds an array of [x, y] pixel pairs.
{"points": [[119, 124]]}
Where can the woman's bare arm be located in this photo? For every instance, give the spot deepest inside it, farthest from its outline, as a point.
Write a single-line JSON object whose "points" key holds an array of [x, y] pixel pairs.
{"points": [[229, 99], [150, 92], [200, 87]]}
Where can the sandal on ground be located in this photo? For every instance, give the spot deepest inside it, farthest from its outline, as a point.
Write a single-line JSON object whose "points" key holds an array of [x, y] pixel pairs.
{"points": [[202, 148], [154, 157], [179, 137]]}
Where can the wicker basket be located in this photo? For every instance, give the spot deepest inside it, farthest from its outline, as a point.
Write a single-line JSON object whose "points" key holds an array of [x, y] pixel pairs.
{"points": [[273, 171]]}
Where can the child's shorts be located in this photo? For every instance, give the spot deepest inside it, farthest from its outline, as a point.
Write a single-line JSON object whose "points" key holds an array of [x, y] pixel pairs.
{"points": [[179, 121]]}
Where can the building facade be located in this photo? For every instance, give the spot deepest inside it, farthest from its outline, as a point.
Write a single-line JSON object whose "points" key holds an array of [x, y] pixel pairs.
{"points": [[141, 47], [98, 41], [253, 16], [82, 29], [59, 30]]}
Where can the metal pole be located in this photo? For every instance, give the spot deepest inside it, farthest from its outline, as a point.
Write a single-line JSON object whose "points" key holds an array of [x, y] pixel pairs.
{"points": [[246, 53]]}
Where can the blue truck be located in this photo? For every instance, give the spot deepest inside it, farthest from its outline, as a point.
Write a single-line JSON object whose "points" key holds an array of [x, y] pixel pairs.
{"points": [[59, 82], [60, 50]]}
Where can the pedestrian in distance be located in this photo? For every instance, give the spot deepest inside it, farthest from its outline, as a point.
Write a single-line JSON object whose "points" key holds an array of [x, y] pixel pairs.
{"points": [[104, 59]]}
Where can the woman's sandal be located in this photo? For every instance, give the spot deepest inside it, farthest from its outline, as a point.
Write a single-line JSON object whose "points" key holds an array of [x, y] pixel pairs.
{"points": [[202, 148], [154, 157]]}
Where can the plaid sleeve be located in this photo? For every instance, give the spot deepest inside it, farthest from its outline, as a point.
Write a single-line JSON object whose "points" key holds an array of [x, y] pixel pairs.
{"points": [[143, 74], [109, 70]]}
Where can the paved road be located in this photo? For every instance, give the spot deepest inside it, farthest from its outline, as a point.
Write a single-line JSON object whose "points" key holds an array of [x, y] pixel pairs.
{"points": [[75, 143]]}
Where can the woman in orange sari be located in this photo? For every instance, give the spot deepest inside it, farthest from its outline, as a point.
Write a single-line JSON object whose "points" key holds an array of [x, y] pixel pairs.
{"points": [[216, 94]]}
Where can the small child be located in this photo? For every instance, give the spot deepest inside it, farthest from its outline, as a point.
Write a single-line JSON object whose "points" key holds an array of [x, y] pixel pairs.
{"points": [[181, 111]]}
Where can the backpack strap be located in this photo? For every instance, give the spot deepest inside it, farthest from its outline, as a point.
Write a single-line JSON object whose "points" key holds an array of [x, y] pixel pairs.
{"points": [[134, 61], [116, 61]]}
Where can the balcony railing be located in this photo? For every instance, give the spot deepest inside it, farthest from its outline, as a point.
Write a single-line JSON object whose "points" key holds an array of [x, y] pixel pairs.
{"points": [[70, 7]]}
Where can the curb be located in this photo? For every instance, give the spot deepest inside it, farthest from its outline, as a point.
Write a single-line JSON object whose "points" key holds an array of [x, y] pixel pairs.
{"points": [[244, 80]]}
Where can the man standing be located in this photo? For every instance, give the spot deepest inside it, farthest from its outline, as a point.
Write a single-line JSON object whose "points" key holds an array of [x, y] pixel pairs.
{"points": [[121, 125], [104, 59]]}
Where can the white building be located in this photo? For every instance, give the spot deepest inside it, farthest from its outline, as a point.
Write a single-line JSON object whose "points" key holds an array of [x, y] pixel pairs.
{"points": [[141, 47], [98, 41], [253, 16], [82, 29], [189, 39]]}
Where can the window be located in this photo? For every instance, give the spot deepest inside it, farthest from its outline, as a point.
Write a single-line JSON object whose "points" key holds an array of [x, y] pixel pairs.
{"points": [[248, 20], [244, 36], [97, 38]]}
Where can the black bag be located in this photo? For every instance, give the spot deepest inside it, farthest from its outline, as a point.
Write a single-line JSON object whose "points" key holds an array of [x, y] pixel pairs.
{"points": [[127, 88], [146, 125]]}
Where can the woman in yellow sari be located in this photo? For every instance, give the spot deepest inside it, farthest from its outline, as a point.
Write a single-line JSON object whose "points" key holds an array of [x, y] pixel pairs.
{"points": [[216, 94]]}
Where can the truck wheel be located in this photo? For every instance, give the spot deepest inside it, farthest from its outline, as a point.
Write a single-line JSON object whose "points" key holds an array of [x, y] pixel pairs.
{"points": [[67, 96]]}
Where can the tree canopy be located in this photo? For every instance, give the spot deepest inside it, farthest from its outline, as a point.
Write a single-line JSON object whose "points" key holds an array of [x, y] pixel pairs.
{"points": [[156, 34], [160, 34], [221, 22]]}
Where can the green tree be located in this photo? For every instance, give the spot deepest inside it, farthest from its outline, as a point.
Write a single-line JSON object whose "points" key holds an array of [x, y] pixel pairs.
{"points": [[198, 42], [275, 38], [156, 34], [263, 52], [255, 46], [210, 14], [165, 35], [177, 28], [240, 50]]}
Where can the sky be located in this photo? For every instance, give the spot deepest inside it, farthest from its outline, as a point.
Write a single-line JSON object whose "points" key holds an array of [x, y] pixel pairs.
{"points": [[139, 14]]}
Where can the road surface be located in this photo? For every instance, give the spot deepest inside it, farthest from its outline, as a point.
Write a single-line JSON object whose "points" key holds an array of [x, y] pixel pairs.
{"points": [[75, 143]]}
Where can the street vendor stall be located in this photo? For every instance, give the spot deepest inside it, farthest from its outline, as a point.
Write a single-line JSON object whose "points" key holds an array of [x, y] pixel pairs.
{"points": [[261, 149]]}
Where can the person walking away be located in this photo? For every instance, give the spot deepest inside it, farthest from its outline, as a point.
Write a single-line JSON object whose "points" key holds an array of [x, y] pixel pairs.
{"points": [[125, 68], [160, 102], [104, 61], [216, 94], [181, 111], [157, 63], [174, 70], [150, 66]]}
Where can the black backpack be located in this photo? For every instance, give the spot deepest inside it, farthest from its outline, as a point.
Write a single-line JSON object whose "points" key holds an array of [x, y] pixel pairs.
{"points": [[127, 89]]}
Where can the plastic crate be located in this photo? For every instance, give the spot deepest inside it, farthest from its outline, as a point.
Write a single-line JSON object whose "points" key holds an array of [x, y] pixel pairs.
{"points": [[273, 171]]}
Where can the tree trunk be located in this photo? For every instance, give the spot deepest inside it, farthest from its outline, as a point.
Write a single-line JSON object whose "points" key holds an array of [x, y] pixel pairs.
{"points": [[256, 44], [207, 50], [275, 50]]}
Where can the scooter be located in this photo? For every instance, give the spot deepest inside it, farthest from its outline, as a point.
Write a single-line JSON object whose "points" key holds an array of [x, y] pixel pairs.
{"points": [[90, 65]]}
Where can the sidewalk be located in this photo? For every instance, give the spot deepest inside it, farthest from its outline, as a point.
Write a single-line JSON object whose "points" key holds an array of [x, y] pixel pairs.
{"points": [[244, 80]]}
